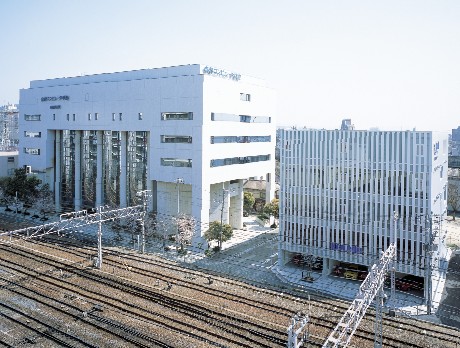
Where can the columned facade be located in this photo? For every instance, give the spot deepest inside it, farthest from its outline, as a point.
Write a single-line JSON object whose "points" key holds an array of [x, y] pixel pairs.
{"points": [[103, 138]]}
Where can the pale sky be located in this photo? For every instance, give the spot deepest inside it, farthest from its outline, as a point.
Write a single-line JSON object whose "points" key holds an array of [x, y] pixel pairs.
{"points": [[391, 64]]}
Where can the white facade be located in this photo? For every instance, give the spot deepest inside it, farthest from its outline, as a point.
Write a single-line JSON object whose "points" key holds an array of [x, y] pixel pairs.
{"points": [[340, 189], [100, 138]]}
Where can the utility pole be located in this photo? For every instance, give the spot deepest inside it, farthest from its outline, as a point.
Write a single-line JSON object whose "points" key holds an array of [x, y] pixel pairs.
{"points": [[99, 239], [296, 329], [221, 217], [144, 196], [429, 253]]}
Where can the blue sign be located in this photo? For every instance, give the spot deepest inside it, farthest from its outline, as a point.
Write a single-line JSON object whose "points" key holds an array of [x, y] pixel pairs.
{"points": [[347, 248], [61, 97], [221, 73]]}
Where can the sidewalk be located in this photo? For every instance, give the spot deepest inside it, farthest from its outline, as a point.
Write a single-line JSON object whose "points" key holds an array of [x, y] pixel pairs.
{"points": [[407, 303]]}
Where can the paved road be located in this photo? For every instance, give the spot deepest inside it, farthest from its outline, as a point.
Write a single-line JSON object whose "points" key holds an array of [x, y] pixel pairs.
{"points": [[250, 260]]}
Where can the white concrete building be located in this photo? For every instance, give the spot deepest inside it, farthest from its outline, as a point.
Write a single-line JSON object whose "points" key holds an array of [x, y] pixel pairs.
{"points": [[340, 189], [98, 139]]}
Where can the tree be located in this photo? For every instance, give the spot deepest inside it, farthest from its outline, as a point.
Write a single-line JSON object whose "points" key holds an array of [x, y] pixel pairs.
{"points": [[25, 185], [43, 202], [185, 229], [249, 201], [216, 229], [4, 198], [453, 198], [272, 208]]}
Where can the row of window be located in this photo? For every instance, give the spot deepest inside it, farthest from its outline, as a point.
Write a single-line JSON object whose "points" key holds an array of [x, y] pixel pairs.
{"points": [[240, 139], [217, 139], [188, 139], [238, 160], [179, 162], [167, 116]]}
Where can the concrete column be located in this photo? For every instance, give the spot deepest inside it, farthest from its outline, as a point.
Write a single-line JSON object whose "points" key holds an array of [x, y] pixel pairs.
{"points": [[57, 169], [225, 196], [99, 164], [236, 206], [77, 199], [201, 212], [327, 266], [270, 187], [123, 169]]}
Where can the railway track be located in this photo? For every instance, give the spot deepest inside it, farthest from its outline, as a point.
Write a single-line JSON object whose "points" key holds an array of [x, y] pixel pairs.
{"points": [[325, 306], [248, 334], [398, 324]]}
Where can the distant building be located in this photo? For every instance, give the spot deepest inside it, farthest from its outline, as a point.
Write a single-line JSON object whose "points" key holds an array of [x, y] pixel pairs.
{"points": [[9, 131], [455, 142], [258, 188], [191, 134], [456, 134], [340, 191], [347, 125], [8, 163]]}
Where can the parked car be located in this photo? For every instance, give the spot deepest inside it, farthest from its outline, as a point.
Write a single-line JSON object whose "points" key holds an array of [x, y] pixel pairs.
{"points": [[351, 272], [409, 282]]}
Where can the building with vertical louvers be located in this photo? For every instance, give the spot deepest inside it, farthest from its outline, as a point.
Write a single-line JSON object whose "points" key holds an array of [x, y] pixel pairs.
{"points": [[344, 193]]}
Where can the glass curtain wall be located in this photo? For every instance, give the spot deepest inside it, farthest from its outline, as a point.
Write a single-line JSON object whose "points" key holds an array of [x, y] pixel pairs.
{"points": [[89, 173], [68, 170], [111, 168], [136, 164]]}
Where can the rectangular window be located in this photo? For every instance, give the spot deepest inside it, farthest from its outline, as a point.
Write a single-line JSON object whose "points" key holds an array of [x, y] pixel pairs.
{"points": [[73, 117], [240, 118], [139, 116], [11, 171], [240, 139], [176, 116], [28, 134], [32, 117], [54, 117], [96, 116], [176, 139], [238, 160], [245, 97], [120, 115], [10, 159], [176, 162], [31, 151], [68, 117], [89, 117], [113, 116]]}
